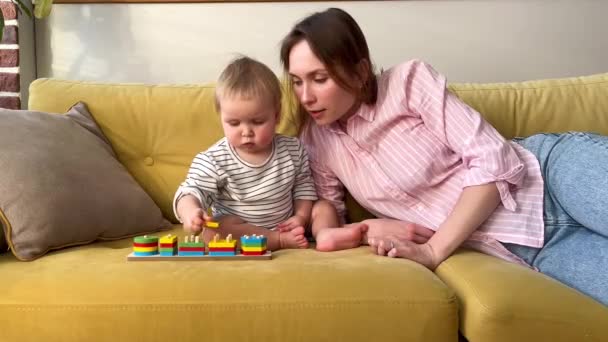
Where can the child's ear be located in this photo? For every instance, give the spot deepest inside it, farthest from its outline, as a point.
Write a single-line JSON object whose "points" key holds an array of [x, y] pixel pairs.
{"points": [[278, 116]]}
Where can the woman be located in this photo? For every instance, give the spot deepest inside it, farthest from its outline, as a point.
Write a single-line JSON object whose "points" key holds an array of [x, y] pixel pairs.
{"points": [[409, 151]]}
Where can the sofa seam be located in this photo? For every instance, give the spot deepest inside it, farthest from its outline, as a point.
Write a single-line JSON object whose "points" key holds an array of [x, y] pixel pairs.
{"points": [[208, 307], [147, 85], [456, 87]]}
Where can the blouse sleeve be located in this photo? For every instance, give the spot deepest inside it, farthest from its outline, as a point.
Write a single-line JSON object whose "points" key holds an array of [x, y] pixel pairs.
{"points": [[487, 156]]}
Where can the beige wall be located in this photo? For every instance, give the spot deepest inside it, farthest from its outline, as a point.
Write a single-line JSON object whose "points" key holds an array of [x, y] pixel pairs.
{"points": [[479, 41]]}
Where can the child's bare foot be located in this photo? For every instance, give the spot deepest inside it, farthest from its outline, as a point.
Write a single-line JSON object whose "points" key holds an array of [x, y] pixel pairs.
{"points": [[293, 238], [335, 239]]}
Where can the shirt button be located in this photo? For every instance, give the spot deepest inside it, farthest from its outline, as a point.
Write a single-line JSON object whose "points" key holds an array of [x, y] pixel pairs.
{"points": [[149, 161]]}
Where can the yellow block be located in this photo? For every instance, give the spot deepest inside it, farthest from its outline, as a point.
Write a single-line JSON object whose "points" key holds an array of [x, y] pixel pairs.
{"points": [[145, 249], [168, 239], [212, 224], [222, 244], [253, 249]]}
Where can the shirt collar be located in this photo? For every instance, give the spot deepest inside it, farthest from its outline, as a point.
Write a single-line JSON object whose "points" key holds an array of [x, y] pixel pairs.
{"points": [[365, 111]]}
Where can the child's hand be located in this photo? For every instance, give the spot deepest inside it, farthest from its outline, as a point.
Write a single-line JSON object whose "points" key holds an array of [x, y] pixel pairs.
{"points": [[194, 221], [291, 223]]}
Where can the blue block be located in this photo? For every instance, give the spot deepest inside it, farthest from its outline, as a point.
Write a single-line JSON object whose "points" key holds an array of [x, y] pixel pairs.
{"points": [[167, 254], [190, 253], [222, 253], [254, 241], [144, 253]]}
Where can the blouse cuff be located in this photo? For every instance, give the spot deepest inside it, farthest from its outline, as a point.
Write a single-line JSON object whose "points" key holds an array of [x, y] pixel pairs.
{"points": [[505, 183]]}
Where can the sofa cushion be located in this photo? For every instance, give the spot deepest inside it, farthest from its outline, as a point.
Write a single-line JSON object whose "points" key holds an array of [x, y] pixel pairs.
{"points": [[553, 105], [501, 301], [299, 295], [156, 130], [61, 184]]}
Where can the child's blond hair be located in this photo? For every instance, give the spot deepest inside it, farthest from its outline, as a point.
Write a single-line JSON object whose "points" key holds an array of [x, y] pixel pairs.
{"points": [[248, 78]]}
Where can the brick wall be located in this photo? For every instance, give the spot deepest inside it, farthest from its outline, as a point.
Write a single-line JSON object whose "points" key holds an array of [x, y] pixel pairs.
{"points": [[9, 58]]}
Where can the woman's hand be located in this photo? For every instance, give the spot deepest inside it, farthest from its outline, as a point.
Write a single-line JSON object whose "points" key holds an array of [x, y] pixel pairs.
{"points": [[404, 231], [394, 247]]}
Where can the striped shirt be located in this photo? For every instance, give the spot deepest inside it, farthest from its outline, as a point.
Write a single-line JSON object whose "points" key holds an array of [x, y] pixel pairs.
{"points": [[262, 195], [409, 156]]}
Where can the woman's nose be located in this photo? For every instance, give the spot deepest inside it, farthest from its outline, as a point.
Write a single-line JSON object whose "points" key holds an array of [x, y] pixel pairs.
{"points": [[307, 95]]}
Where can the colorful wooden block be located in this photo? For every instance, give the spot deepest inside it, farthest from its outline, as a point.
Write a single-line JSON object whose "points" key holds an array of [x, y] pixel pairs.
{"points": [[168, 245], [146, 239], [253, 245], [228, 242], [169, 238], [192, 249], [253, 240], [145, 245], [145, 249], [254, 252], [253, 249], [145, 253], [212, 224], [216, 253], [225, 246], [191, 246]]}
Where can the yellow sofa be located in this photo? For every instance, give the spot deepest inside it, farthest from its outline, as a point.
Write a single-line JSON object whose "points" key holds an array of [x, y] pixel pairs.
{"points": [[91, 293]]}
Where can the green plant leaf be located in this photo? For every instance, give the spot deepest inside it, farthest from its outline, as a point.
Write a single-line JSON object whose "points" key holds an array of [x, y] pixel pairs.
{"points": [[42, 9], [23, 8]]}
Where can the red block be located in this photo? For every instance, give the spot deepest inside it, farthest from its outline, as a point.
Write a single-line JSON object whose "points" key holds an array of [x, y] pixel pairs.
{"points": [[192, 249], [253, 253], [151, 244]]}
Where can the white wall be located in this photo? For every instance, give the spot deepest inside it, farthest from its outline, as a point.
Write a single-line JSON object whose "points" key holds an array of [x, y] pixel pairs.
{"points": [[476, 41]]}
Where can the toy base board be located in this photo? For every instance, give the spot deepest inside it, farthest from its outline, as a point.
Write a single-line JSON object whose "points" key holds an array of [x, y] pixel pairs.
{"points": [[238, 256]]}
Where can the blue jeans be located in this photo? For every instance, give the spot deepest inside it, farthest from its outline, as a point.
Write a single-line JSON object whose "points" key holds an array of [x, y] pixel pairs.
{"points": [[574, 167]]}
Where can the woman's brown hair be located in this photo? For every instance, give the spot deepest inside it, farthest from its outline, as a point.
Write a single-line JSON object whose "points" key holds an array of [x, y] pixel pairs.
{"points": [[338, 42]]}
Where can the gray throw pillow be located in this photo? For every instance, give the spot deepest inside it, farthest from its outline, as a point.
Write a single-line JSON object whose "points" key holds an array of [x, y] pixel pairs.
{"points": [[61, 184]]}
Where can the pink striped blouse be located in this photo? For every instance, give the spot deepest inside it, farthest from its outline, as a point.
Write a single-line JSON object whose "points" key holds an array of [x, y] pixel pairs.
{"points": [[409, 156]]}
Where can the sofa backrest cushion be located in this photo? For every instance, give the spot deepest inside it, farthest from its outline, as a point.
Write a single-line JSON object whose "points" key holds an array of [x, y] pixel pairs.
{"points": [[61, 185], [554, 105], [156, 130]]}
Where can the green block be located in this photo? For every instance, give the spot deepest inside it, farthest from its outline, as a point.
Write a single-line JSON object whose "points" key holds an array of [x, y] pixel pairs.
{"points": [[191, 244], [146, 239]]}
